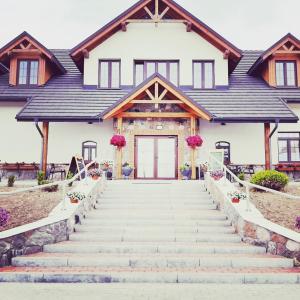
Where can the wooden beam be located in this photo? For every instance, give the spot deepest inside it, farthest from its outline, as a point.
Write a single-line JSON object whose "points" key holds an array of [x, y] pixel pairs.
{"points": [[156, 96], [164, 12], [124, 26], [156, 9], [45, 131], [292, 48], [35, 51], [156, 102], [149, 12], [150, 95], [162, 94], [188, 26], [287, 52], [154, 21], [267, 146], [285, 47], [154, 115]]}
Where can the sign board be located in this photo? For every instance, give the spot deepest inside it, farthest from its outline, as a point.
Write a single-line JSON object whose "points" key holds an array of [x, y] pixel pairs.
{"points": [[77, 165], [218, 154]]}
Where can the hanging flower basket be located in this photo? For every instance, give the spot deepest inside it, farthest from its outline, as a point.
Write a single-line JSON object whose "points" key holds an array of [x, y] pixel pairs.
{"points": [[194, 141], [118, 141]]}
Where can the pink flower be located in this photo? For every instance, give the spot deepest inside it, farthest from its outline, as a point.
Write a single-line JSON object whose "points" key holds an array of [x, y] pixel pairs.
{"points": [[118, 141], [194, 141]]}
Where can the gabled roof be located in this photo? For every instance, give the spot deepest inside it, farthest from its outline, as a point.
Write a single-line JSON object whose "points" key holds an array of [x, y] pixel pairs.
{"points": [[288, 38], [25, 36], [168, 87], [137, 11]]}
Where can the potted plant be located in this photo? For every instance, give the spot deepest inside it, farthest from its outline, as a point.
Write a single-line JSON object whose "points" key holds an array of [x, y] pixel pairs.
{"points": [[75, 197], [118, 141], [95, 174], [236, 196], [4, 217], [11, 181], [186, 171], [217, 174], [194, 141], [126, 169]]}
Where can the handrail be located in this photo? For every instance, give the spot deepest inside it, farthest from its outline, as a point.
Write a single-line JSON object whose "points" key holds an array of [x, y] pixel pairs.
{"points": [[64, 182], [247, 184]]}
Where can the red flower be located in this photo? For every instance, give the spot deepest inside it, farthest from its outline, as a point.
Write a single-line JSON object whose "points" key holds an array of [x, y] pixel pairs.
{"points": [[118, 141], [194, 141]]}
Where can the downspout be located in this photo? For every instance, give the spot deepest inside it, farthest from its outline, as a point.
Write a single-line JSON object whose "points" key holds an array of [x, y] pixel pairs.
{"points": [[42, 136], [270, 136]]}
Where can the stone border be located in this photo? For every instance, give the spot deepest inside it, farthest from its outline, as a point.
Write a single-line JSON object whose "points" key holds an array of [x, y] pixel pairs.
{"points": [[252, 227], [31, 238]]}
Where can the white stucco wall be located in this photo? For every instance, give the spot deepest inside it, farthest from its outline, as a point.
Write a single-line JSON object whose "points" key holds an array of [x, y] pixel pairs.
{"points": [[246, 141], [145, 41], [19, 141], [65, 140]]}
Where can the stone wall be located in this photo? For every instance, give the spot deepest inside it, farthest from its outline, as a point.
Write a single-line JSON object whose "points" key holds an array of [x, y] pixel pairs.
{"points": [[252, 232]]}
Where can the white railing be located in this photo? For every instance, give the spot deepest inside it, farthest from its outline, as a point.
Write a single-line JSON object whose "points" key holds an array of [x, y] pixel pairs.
{"points": [[247, 184], [63, 184]]}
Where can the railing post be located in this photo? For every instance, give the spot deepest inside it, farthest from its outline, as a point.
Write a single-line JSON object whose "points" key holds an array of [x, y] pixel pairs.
{"points": [[63, 191], [247, 198]]}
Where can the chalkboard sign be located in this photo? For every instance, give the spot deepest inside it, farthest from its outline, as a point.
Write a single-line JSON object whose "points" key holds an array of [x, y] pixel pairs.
{"points": [[219, 156], [76, 166]]}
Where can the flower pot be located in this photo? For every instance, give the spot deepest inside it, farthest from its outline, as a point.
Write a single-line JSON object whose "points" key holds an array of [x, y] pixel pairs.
{"points": [[217, 177], [235, 200], [95, 177], [126, 171], [187, 173], [74, 201]]}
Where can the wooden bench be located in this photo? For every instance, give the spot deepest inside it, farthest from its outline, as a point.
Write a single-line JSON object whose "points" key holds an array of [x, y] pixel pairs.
{"points": [[56, 170]]}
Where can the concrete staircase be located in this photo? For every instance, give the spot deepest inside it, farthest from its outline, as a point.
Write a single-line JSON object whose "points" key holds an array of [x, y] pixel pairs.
{"points": [[166, 232]]}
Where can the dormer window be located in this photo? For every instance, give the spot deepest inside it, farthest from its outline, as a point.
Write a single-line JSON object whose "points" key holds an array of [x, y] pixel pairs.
{"points": [[28, 72], [286, 74]]}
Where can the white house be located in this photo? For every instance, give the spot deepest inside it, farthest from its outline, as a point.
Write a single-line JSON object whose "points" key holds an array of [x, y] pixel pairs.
{"points": [[155, 74]]}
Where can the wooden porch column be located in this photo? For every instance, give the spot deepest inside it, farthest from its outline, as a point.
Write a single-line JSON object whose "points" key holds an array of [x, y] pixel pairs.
{"points": [[267, 146], [119, 151], [193, 151], [45, 146]]}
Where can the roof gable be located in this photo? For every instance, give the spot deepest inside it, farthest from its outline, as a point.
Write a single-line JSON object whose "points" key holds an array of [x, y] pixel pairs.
{"points": [[156, 11], [157, 91], [288, 45], [25, 43]]}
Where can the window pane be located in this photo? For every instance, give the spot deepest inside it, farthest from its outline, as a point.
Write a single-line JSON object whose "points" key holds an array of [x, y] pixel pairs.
{"points": [[208, 75], [150, 68], [104, 74], [282, 151], [290, 74], [23, 72], [115, 74], [33, 79], [197, 75], [162, 69], [295, 153], [279, 74], [139, 73], [174, 73]]}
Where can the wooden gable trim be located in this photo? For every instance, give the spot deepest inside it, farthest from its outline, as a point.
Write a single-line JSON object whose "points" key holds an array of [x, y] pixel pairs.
{"points": [[181, 99]]}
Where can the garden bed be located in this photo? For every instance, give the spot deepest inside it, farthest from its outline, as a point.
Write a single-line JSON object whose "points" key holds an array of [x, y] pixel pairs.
{"points": [[28, 207], [280, 210]]}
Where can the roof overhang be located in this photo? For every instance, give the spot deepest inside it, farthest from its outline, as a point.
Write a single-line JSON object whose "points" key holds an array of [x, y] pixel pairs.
{"points": [[175, 12]]}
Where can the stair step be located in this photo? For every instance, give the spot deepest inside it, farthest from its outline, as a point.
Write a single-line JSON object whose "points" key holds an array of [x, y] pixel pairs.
{"points": [[126, 275], [152, 261], [162, 208], [128, 237]]}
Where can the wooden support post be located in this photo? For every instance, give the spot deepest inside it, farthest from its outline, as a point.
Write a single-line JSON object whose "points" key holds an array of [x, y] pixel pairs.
{"points": [[119, 151], [45, 146], [267, 146], [193, 151]]}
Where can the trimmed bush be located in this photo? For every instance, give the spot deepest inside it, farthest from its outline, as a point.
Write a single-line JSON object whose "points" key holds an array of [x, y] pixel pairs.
{"points": [[49, 189], [11, 181], [270, 179], [40, 177]]}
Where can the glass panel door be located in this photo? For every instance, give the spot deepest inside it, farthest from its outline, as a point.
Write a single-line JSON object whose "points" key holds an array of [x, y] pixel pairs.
{"points": [[166, 157], [145, 157]]}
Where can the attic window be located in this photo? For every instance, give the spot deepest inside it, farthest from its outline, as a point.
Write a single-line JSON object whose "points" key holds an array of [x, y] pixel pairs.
{"points": [[286, 73], [28, 72]]}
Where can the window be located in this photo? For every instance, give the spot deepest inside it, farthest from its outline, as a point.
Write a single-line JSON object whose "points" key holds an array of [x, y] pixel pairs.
{"points": [[286, 73], [168, 69], [89, 150], [289, 146], [203, 74], [226, 147], [28, 72], [109, 74]]}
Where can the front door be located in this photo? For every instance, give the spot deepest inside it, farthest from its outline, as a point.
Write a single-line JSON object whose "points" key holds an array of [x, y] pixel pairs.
{"points": [[156, 157]]}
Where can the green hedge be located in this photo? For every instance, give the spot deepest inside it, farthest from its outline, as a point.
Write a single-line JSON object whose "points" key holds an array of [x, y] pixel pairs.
{"points": [[270, 179]]}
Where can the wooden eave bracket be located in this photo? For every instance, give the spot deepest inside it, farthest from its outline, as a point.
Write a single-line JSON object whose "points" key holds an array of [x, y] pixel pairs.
{"points": [[85, 53], [226, 54]]}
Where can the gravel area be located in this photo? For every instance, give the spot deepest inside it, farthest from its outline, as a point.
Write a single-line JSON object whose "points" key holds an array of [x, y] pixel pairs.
{"points": [[28, 207], [277, 209]]}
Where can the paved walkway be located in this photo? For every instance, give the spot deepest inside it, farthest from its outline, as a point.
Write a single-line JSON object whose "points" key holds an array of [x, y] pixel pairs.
{"points": [[147, 291]]}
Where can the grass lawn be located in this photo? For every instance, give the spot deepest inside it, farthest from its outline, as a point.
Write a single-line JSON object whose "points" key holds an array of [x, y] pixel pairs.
{"points": [[28, 207], [277, 209]]}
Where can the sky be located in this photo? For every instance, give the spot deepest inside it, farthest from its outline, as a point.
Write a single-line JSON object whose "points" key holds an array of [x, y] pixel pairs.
{"points": [[251, 24]]}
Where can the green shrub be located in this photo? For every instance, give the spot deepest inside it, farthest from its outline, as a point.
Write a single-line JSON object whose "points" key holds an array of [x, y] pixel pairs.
{"points": [[241, 176], [11, 181], [270, 179], [70, 175], [49, 189], [40, 177]]}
